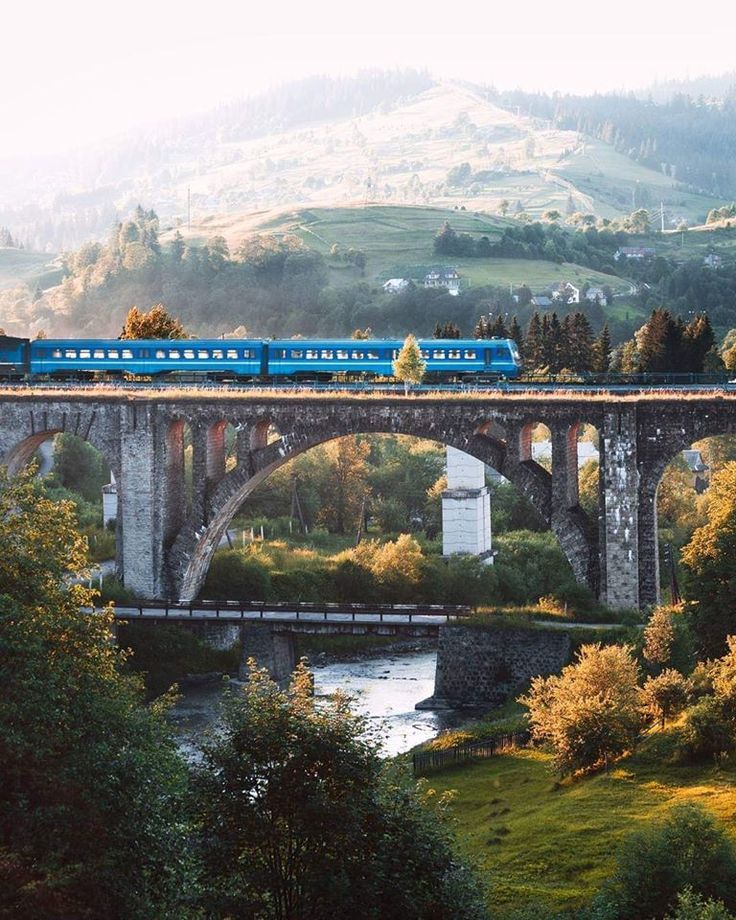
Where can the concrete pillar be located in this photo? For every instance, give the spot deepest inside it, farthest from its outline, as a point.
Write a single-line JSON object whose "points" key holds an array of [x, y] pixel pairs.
{"points": [[275, 651], [466, 507], [619, 533], [142, 503]]}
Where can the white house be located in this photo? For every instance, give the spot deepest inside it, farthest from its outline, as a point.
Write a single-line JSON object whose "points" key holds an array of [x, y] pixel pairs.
{"points": [[566, 292], [712, 260], [443, 277], [395, 285], [596, 293]]}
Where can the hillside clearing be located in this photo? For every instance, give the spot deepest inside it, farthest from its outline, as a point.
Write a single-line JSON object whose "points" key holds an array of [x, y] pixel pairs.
{"points": [[535, 840]]}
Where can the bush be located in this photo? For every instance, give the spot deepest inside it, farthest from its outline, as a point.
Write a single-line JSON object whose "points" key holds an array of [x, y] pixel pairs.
{"points": [[708, 733], [233, 576], [654, 865], [590, 713]]}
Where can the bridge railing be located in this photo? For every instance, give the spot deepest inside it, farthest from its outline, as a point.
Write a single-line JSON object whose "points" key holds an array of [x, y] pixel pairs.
{"points": [[298, 610], [425, 762]]}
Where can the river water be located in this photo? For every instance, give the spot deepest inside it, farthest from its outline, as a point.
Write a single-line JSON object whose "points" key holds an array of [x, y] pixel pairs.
{"points": [[385, 689]]}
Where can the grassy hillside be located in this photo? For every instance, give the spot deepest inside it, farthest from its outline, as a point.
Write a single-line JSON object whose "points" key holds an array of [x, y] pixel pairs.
{"points": [[401, 154], [18, 266], [539, 841], [398, 242], [613, 183]]}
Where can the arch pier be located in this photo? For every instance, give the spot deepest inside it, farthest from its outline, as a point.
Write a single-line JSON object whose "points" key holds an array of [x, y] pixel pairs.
{"points": [[168, 531]]}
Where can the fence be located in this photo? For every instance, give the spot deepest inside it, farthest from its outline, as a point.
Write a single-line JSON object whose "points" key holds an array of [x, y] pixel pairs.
{"points": [[426, 761]]}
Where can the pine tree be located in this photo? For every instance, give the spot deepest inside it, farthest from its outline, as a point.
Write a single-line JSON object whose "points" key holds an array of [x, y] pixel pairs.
{"points": [[498, 328], [601, 355], [534, 343], [515, 332], [482, 329], [580, 346]]}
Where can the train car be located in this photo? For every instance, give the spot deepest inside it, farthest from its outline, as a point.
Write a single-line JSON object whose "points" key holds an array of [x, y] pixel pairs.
{"points": [[324, 359], [218, 359], [14, 357]]}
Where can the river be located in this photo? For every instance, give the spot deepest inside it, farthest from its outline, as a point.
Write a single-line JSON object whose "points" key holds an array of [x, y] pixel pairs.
{"points": [[385, 689]]}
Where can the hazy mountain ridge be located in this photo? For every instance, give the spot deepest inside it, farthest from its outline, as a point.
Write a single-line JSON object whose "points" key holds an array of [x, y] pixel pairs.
{"points": [[379, 137]]}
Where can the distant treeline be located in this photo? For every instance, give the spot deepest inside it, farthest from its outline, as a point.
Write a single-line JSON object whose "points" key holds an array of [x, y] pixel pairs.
{"points": [[689, 139], [590, 247]]}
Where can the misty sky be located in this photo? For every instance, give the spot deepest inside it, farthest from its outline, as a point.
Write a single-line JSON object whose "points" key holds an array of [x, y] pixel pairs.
{"points": [[81, 71]]}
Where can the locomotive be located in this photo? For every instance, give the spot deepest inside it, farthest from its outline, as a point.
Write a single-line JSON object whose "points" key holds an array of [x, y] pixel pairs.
{"points": [[251, 360]]}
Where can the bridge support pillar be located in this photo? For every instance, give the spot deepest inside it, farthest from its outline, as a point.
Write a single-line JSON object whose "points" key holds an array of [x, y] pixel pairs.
{"points": [[146, 496], [466, 508], [619, 530], [275, 651]]}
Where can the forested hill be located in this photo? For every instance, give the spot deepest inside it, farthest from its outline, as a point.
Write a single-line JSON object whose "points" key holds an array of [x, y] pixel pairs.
{"points": [[315, 99], [689, 139]]}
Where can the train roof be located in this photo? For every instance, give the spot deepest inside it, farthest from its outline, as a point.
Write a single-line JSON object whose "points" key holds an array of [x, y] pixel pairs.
{"points": [[12, 341]]}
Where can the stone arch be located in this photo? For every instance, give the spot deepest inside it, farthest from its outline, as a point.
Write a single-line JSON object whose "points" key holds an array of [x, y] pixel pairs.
{"points": [[692, 423], [192, 552]]}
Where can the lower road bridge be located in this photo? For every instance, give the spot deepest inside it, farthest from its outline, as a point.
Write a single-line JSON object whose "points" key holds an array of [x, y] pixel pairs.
{"points": [[167, 534]]}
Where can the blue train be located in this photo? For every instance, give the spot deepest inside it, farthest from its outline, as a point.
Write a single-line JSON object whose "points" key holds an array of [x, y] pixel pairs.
{"points": [[251, 359]]}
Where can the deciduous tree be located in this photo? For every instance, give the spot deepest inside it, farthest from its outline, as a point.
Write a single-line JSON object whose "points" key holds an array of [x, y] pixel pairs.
{"points": [[409, 366], [591, 712]]}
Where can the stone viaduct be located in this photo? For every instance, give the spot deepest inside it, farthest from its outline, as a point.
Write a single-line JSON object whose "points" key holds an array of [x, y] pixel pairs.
{"points": [[167, 534]]}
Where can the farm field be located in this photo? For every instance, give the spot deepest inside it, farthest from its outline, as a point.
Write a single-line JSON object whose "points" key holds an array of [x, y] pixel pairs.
{"points": [[539, 841], [610, 180], [19, 266], [398, 243]]}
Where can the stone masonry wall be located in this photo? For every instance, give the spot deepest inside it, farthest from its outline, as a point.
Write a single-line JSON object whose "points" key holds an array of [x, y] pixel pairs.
{"points": [[481, 666]]}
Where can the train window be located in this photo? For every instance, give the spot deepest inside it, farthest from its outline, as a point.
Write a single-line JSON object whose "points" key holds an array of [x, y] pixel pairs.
{"points": [[470, 354], [70, 353], [98, 354], [232, 354], [296, 353], [372, 355], [189, 353], [56, 353], [312, 354], [342, 355], [357, 355], [144, 353], [85, 353], [127, 354], [327, 354], [203, 354], [113, 353], [453, 354], [218, 354], [424, 351], [175, 354], [439, 354], [160, 353]]}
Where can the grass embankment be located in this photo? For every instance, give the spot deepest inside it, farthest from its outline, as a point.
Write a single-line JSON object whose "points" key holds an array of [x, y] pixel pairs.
{"points": [[539, 841], [398, 242]]}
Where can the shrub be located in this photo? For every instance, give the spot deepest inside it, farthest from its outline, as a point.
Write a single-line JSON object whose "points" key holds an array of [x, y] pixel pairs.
{"points": [[708, 733], [654, 865], [666, 694], [692, 906], [591, 712], [233, 576]]}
